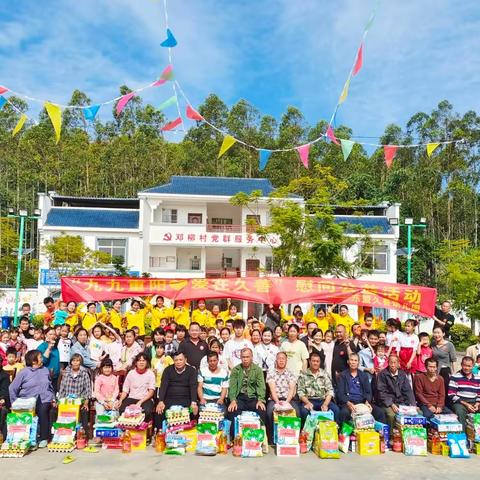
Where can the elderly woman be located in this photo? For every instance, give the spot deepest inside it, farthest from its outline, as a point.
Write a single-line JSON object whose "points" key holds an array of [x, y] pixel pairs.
{"points": [[34, 381]]}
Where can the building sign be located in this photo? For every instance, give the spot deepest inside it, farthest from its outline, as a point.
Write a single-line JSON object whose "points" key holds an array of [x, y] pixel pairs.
{"points": [[219, 238]]}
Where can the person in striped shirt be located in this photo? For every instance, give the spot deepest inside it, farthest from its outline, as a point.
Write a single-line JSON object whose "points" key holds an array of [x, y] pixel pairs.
{"points": [[212, 381], [464, 391]]}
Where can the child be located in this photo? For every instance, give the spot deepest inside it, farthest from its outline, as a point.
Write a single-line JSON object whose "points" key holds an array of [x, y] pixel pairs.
{"points": [[60, 316], [64, 346], [327, 347], [4, 341], [114, 349], [137, 336], [380, 359], [382, 338], [96, 344], [106, 388], [180, 333], [33, 343], [16, 342], [171, 345], [393, 336], [13, 365], [408, 346], [367, 323], [423, 352], [159, 363], [476, 367]]}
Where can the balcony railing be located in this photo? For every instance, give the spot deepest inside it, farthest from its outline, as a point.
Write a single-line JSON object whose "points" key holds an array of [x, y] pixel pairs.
{"points": [[223, 273], [212, 227]]}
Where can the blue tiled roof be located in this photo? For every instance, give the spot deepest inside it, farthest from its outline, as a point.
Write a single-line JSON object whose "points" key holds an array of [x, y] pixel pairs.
{"points": [[222, 186], [370, 223], [92, 218]]}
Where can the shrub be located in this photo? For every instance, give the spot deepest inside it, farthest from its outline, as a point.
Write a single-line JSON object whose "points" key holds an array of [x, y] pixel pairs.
{"points": [[462, 336]]}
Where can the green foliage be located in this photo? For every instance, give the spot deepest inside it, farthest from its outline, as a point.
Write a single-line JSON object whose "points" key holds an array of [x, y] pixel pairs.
{"points": [[462, 337]]}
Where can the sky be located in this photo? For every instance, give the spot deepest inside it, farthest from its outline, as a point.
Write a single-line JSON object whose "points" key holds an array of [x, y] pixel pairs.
{"points": [[272, 53]]}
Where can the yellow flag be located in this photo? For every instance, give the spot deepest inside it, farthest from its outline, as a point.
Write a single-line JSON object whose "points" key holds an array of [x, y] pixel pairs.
{"points": [[19, 125], [228, 141], [431, 147], [344, 93], [55, 114]]}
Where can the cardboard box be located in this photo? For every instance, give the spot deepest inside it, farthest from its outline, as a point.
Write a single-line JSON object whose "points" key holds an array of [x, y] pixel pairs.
{"points": [[368, 443], [288, 450], [68, 413]]}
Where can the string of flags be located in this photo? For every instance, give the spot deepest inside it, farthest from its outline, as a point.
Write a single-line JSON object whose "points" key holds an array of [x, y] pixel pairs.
{"points": [[90, 112]]}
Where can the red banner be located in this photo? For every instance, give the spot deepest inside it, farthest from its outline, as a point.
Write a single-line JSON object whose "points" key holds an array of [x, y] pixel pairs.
{"points": [[275, 290]]}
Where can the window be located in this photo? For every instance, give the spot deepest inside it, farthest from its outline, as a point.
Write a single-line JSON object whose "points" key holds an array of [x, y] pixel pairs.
{"points": [[195, 218], [222, 221], [115, 247], [377, 258], [227, 262], [169, 215], [269, 264], [195, 263]]}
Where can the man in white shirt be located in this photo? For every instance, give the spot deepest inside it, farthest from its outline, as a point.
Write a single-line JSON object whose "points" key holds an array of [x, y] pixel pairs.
{"points": [[233, 347]]}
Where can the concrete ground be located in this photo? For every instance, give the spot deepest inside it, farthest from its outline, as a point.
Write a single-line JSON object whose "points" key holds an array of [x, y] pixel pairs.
{"points": [[113, 465]]}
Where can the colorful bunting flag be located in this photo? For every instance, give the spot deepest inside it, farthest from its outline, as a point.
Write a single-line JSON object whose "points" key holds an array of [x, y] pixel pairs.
{"points": [[389, 151], [170, 41], [227, 143], [192, 114], [264, 155], [358, 61], [303, 154], [166, 75], [347, 146], [3, 101], [55, 114], [21, 122], [344, 93], [167, 103], [123, 101], [90, 112], [171, 125], [431, 147], [331, 135], [370, 22], [3, 90]]}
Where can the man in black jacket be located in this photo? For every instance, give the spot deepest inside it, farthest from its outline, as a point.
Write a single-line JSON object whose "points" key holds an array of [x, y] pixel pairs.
{"points": [[393, 389], [353, 388]]}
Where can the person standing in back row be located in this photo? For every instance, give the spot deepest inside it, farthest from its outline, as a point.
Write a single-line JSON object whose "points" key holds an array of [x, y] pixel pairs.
{"points": [[444, 318]]}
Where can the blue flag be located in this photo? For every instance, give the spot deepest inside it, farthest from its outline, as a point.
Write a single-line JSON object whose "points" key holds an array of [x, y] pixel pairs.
{"points": [[264, 156], [91, 112]]}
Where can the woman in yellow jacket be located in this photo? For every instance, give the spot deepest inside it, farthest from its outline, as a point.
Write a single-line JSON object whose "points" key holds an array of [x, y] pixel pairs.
{"points": [[74, 315], [322, 320], [181, 313], [230, 313], [203, 316], [91, 317], [341, 318], [285, 317], [158, 312], [135, 317], [115, 316]]}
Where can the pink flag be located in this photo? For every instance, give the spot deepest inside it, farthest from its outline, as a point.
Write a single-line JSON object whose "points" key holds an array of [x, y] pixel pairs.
{"points": [[123, 101], [3, 90], [389, 151], [358, 61], [303, 153], [193, 114], [171, 125], [331, 135], [167, 74]]}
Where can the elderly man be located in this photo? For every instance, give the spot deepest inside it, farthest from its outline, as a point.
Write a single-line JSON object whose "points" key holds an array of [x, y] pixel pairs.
{"points": [[393, 389], [464, 391], [315, 389], [212, 382], [246, 388], [283, 384], [353, 388]]}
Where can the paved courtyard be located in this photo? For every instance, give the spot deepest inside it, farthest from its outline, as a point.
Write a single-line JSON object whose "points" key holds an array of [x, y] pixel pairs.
{"points": [[113, 465]]}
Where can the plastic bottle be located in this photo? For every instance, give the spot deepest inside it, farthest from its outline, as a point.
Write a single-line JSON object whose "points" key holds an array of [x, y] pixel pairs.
{"points": [[222, 443], [436, 444], [81, 439], [126, 442], [1, 438], [303, 441], [237, 446], [382, 443], [396, 441], [353, 443], [160, 442]]}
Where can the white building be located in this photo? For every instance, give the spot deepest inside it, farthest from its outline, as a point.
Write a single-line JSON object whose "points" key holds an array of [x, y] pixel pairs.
{"points": [[188, 228]]}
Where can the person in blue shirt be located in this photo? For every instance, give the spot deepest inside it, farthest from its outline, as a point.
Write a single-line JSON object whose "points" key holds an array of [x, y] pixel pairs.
{"points": [[51, 355], [81, 347]]}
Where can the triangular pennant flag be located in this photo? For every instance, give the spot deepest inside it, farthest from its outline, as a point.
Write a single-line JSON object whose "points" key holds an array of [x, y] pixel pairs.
{"points": [[171, 125], [344, 93], [264, 155], [358, 61], [170, 41], [370, 22], [228, 141], [347, 146], [123, 101], [303, 154], [192, 114], [90, 112], [389, 151], [171, 101], [331, 135], [55, 114], [3, 90], [3, 101], [166, 75], [19, 125], [431, 147]]}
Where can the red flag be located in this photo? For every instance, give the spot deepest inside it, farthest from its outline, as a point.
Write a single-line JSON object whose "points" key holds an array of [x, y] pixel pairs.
{"points": [[303, 153], [358, 61], [389, 151], [3, 90], [171, 125], [331, 135], [193, 114]]}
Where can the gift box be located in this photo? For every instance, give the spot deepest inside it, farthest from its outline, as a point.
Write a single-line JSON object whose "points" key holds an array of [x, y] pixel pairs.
{"points": [[457, 443], [246, 420], [410, 420], [112, 443], [68, 413], [288, 431], [206, 439], [363, 422], [383, 429], [252, 442], [191, 436], [368, 442], [107, 432], [287, 450], [326, 440], [414, 441], [476, 448], [139, 439], [445, 427]]}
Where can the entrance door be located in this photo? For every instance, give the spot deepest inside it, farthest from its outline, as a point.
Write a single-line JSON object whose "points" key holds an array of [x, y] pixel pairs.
{"points": [[252, 267]]}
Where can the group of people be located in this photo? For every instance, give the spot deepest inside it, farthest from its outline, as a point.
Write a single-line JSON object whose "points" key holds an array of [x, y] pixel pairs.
{"points": [[327, 362]]}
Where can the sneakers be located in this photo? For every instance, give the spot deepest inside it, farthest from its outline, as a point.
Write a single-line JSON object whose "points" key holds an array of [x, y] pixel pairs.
{"points": [[43, 444]]}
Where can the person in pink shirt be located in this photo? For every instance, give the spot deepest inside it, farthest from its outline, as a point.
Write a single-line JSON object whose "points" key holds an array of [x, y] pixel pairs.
{"points": [[106, 388], [139, 387], [424, 351]]}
